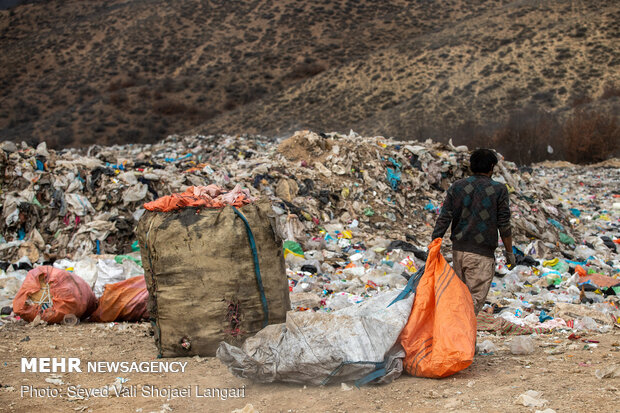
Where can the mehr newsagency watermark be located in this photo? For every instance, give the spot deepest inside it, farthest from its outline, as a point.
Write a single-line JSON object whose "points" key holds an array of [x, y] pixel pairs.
{"points": [[135, 390], [120, 388]]}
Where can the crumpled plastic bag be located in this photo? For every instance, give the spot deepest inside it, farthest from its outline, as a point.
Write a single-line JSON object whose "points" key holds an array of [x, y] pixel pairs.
{"points": [[11, 281], [318, 348], [531, 398], [608, 372], [123, 301], [97, 229], [86, 269], [289, 228], [487, 347], [109, 272], [522, 345], [135, 193], [78, 204]]}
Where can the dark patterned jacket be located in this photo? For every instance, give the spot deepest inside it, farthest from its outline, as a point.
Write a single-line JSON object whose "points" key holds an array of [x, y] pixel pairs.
{"points": [[477, 207]]}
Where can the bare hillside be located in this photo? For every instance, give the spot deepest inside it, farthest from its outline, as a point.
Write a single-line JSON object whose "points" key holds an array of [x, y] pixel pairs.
{"points": [[83, 72], [475, 72]]}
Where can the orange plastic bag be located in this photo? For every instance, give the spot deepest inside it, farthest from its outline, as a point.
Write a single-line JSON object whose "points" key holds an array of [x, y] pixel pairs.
{"points": [[53, 293], [581, 271], [123, 301], [440, 335]]}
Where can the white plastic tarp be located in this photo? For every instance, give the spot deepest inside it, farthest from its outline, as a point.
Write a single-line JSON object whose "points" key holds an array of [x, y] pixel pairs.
{"points": [[320, 348]]}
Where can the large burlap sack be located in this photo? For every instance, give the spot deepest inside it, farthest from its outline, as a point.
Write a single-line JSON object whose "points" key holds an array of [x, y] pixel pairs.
{"points": [[200, 273], [53, 293], [123, 301]]}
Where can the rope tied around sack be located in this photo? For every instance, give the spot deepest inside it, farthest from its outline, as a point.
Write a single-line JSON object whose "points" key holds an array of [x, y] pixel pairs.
{"points": [[259, 279], [45, 301], [378, 372]]}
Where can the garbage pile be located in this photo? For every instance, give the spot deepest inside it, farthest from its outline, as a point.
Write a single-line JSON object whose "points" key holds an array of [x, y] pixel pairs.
{"points": [[573, 283], [356, 213]]}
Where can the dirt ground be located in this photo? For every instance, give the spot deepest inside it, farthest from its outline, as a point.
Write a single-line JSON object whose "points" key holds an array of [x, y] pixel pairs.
{"points": [[562, 370]]}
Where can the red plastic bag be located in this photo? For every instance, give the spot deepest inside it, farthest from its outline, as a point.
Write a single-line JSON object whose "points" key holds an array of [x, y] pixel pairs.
{"points": [[123, 301], [53, 293], [440, 335]]}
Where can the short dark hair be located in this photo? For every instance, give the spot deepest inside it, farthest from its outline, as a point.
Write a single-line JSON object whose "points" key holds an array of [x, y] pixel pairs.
{"points": [[482, 161]]}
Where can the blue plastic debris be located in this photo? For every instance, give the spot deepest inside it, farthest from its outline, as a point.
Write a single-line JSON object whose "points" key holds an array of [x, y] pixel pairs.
{"points": [[431, 207], [555, 224], [120, 166], [178, 159], [393, 177], [395, 162], [544, 316]]}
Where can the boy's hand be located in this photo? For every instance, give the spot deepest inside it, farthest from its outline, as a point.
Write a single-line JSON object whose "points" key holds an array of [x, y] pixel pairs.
{"points": [[510, 259]]}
